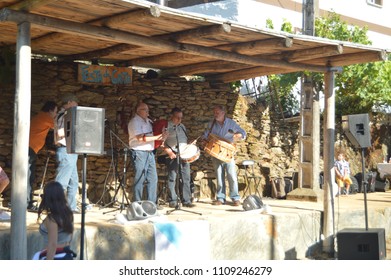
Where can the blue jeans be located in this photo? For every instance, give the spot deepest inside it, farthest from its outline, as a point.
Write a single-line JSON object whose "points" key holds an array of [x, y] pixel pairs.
{"points": [[67, 174], [184, 188], [144, 170], [222, 168]]}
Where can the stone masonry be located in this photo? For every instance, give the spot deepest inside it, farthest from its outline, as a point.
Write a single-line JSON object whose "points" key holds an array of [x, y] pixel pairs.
{"points": [[271, 141]]}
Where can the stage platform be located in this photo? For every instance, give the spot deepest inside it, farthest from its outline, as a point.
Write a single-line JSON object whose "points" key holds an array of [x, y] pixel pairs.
{"points": [[285, 229]]}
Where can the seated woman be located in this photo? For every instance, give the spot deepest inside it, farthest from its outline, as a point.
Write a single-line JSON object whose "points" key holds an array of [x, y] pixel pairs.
{"points": [[57, 227]]}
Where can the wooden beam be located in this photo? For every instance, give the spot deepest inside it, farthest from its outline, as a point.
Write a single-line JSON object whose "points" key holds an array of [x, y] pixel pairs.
{"points": [[309, 54], [240, 48], [249, 73], [48, 38], [111, 35], [197, 68], [357, 58], [155, 59], [267, 46], [29, 5], [354, 58], [138, 15], [99, 53], [195, 34]]}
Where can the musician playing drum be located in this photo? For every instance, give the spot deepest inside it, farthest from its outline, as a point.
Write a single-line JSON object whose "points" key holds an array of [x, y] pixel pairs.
{"points": [[175, 129], [229, 130]]}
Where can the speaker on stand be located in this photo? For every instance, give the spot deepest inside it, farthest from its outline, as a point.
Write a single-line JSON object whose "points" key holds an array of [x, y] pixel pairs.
{"points": [[359, 244], [84, 134], [84, 130], [356, 128]]}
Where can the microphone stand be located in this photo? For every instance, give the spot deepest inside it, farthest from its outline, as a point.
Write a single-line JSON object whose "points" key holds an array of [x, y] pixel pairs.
{"points": [[122, 184], [178, 179]]}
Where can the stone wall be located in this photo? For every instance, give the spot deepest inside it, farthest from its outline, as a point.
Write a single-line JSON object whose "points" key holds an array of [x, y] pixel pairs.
{"points": [[271, 141], [268, 144]]}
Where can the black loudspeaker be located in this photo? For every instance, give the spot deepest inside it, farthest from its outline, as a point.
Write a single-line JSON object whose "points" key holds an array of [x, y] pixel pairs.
{"points": [[140, 210], [84, 130], [356, 128], [252, 202], [382, 185], [361, 244]]}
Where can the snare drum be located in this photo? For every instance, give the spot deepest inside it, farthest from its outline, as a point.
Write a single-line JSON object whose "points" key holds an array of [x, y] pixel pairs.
{"points": [[189, 152], [219, 148]]}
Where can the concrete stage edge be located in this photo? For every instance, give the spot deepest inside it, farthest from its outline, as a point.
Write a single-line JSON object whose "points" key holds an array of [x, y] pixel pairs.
{"points": [[289, 230]]}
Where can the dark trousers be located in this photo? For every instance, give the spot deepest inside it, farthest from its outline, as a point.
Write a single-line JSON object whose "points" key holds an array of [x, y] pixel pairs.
{"points": [[31, 176], [184, 187]]}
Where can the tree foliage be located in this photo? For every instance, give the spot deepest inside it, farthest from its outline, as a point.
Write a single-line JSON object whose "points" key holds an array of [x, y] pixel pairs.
{"points": [[359, 88], [283, 84]]}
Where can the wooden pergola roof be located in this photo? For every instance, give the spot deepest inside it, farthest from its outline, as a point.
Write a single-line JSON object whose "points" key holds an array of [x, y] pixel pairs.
{"points": [[143, 34]]}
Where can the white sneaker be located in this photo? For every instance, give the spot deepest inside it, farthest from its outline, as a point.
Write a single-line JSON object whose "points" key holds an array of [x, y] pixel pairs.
{"points": [[4, 216]]}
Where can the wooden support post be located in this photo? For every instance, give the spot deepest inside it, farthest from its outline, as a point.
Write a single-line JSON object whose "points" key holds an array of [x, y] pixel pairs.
{"points": [[328, 162], [21, 143]]}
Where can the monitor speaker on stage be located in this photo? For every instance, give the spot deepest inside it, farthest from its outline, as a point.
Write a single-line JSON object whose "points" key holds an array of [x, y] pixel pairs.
{"points": [[356, 128], [252, 202], [140, 210], [361, 244], [84, 130]]}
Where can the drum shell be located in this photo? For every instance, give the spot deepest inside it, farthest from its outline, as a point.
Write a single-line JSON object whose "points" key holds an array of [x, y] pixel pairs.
{"points": [[219, 148], [189, 153]]}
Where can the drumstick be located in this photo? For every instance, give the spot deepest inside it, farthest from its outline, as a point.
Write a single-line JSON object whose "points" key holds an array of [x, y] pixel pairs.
{"points": [[195, 141]]}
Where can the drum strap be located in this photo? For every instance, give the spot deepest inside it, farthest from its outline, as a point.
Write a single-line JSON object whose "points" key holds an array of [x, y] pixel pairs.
{"points": [[168, 146], [184, 130], [210, 129]]}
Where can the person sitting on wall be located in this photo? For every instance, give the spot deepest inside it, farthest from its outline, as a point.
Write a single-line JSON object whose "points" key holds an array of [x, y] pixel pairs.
{"points": [[342, 173]]}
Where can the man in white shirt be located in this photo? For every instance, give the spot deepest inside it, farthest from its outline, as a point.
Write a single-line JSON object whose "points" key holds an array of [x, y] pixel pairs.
{"points": [[142, 145]]}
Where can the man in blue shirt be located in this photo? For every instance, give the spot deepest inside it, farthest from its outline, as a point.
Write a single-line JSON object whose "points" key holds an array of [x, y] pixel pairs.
{"points": [[230, 131]]}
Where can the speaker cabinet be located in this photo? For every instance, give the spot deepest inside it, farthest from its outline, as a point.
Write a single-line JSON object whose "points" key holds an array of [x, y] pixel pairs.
{"points": [[356, 128], [84, 130], [140, 210], [252, 202], [361, 244]]}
